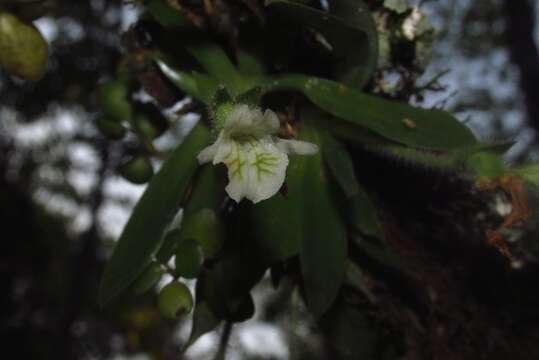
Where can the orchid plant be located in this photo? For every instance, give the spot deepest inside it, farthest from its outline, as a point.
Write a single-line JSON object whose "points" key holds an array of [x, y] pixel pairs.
{"points": [[322, 209]]}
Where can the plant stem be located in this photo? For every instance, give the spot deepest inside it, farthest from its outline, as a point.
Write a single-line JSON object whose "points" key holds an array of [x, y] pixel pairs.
{"points": [[223, 343]]}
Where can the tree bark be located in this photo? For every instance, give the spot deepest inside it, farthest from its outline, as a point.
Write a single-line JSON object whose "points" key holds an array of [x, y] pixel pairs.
{"points": [[520, 26]]}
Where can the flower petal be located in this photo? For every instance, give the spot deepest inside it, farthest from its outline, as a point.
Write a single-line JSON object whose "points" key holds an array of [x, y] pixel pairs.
{"points": [[210, 152], [256, 169], [297, 147], [246, 121], [207, 154]]}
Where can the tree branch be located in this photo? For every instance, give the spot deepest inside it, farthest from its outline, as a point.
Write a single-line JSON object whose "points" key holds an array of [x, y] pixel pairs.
{"points": [[520, 25]]}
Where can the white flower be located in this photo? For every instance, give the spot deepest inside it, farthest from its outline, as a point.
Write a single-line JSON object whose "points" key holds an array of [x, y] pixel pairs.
{"points": [[256, 159]]}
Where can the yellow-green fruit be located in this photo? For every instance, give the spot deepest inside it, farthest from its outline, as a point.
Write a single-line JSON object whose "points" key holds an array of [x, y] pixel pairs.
{"points": [[207, 229], [23, 50], [189, 259], [138, 170], [175, 300], [110, 128], [113, 99]]}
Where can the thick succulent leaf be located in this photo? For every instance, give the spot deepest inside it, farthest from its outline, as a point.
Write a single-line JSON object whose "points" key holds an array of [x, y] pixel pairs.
{"points": [[323, 251], [362, 214], [200, 86], [215, 61], [339, 162], [143, 233], [348, 31], [208, 54], [304, 221], [148, 279], [207, 191], [433, 129], [358, 63], [279, 220], [204, 318]]}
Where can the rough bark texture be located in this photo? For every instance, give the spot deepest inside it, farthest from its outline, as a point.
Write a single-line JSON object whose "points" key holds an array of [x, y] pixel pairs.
{"points": [[458, 297]]}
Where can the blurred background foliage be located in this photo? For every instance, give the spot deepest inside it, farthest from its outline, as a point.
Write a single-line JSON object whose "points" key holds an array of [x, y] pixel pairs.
{"points": [[62, 202]]}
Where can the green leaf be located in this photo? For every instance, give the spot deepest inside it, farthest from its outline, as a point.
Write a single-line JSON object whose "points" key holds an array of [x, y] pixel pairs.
{"points": [[169, 246], [324, 247], [200, 86], [208, 191], [205, 318], [362, 214], [278, 220], [348, 31], [208, 54], [339, 162], [204, 321], [215, 61], [359, 59], [468, 161], [434, 129], [149, 278], [143, 233], [378, 250]]}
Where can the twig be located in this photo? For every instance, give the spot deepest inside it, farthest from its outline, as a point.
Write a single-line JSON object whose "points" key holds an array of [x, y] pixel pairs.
{"points": [[223, 343]]}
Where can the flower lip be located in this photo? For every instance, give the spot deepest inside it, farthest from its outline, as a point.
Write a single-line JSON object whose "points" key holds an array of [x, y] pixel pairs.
{"points": [[255, 158]]}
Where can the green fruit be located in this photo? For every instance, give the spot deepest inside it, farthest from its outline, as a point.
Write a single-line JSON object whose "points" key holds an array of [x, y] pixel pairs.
{"points": [[147, 127], [113, 98], [23, 50], [149, 121], [207, 229], [148, 279], [138, 170], [189, 259], [110, 128], [175, 300]]}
